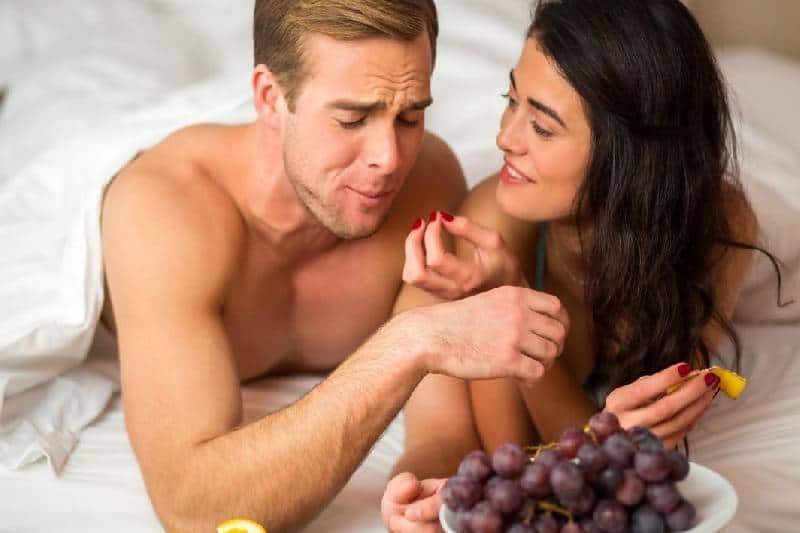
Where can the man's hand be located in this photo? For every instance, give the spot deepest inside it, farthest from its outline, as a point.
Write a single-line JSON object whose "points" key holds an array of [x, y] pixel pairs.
{"points": [[409, 504], [645, 402], [431, 267], [505, 332]]}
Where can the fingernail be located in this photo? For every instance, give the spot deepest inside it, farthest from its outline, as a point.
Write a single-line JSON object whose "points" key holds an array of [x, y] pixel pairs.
{"points": [[710, 379], [683, 369], [417, 224], [432, 216], [447, 216]]}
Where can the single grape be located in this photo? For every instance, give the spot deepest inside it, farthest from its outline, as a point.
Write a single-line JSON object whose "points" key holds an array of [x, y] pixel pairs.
{"points": [[583, 503], [572, 527], [652, 465], [485, 520], [610, 516], [570, 442], [476, 466], [567, 480], [509, 460], [603, 425], [631, 491], [462, 521], [460, 493], [678, 465], [682, 517], [535, 479], [646, 520], [663, 497], [549, 458], [546, 523], [505, 496], [643, 439], [619, 450], [588, 526], [609, 479], [591, 458]]}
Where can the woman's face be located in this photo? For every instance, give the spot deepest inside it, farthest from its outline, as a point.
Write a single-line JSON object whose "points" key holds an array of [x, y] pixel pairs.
{"points": [[546, 140]]}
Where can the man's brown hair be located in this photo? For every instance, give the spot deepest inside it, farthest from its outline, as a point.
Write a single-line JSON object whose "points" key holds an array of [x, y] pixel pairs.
{"points": [[280, 26]]}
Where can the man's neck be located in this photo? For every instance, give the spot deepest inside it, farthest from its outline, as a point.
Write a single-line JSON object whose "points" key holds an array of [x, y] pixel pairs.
{"points": [[269, 204]]}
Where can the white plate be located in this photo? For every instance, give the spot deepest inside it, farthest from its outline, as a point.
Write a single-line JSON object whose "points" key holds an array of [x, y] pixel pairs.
{"points": [[711, 494]]}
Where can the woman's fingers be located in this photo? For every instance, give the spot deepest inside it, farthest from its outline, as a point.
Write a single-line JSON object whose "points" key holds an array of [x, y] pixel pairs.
{"points": [[646, 389], [670, 405], [684, 421], [426, 508], [480, 236]]}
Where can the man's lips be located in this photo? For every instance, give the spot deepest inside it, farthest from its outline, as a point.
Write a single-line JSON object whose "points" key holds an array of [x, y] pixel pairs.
{"points": [[372, 195]]}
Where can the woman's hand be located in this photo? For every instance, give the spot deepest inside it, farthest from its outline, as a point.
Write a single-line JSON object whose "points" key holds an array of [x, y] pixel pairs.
{"points": [[431, 267], [645, 402], [411, 505]]}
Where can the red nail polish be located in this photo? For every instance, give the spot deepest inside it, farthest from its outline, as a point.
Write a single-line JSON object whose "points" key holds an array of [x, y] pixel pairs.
{"points": [[432, 216], [710, 379], [447, 216], [417, 224], [683, 369]]}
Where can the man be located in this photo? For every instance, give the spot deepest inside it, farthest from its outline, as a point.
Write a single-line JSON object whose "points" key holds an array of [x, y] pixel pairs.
{"points": [[233, 252]]}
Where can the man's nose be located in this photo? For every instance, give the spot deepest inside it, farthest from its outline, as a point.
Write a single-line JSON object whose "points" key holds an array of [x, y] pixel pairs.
{"points": [[382, 151]]}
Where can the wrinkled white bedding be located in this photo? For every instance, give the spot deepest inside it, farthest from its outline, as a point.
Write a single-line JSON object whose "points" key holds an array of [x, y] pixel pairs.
{"points": [[72, 71]]}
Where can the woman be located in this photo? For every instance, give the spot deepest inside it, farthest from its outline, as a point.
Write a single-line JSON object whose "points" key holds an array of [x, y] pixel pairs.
{"points": [[618, 196]]}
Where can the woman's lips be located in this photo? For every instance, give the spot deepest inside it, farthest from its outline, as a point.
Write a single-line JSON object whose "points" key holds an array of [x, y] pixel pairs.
{"points": [[512, 176]]}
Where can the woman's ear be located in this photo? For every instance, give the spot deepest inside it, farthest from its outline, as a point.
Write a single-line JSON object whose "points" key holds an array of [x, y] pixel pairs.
{"points": [[268, 97]]}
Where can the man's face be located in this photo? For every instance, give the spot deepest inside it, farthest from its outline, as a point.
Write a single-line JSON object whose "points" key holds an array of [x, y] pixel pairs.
{"points": [[357, 128]]}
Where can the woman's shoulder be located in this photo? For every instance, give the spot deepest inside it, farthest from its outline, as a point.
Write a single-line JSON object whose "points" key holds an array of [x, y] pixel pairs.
{"points": [[481, 207], [739, 214]]}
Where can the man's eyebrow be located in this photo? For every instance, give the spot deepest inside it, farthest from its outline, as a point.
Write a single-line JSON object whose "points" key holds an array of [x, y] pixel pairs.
{"points": [[369, 107], [549, 111]]}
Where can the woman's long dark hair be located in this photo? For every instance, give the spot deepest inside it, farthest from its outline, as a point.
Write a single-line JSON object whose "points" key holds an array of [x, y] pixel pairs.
{"points": [[657, 190]]}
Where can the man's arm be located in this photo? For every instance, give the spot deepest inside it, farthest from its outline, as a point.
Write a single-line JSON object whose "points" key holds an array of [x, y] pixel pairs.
{"points": [[168, 268]]}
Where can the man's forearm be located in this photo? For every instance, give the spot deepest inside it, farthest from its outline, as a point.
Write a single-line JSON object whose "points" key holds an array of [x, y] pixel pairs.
{"points": [[284, 468]]}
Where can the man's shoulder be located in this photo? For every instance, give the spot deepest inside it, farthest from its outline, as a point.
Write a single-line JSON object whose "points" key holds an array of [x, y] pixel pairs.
{"points": [[166, 201], [436, 181]]}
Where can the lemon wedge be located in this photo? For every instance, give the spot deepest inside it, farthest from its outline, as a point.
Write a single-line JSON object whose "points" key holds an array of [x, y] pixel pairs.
{"points": [[240, 525], [730, 382]]}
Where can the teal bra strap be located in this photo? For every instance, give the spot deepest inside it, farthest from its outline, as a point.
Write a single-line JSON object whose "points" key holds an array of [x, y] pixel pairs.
{"points": [[541, 255]]}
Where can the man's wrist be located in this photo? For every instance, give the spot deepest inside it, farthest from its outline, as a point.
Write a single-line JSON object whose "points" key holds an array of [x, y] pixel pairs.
{"points": [[411, 342]]}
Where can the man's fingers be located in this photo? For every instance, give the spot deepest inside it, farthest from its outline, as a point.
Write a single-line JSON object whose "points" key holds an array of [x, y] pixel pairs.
{"points": [[538, 347], [527, 369], [646, 389], [547, 327], [547, 304]]}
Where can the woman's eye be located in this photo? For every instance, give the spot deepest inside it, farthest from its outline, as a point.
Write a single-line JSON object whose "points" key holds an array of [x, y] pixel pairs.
{"points": [[541, 131]]}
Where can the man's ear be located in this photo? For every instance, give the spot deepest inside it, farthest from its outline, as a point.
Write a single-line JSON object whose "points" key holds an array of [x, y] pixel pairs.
{"points": [[268, 96]]}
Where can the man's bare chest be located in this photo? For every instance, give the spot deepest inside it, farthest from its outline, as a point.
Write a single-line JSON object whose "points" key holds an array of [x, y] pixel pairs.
{"points": [[308, 317]]}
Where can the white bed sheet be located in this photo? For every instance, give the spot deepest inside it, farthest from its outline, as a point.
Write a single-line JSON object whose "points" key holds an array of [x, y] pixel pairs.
{"points": [[101, 488]]}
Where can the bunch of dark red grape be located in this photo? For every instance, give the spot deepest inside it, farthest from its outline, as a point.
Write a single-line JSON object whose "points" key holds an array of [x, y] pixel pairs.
{"points": [[603, 479]]}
